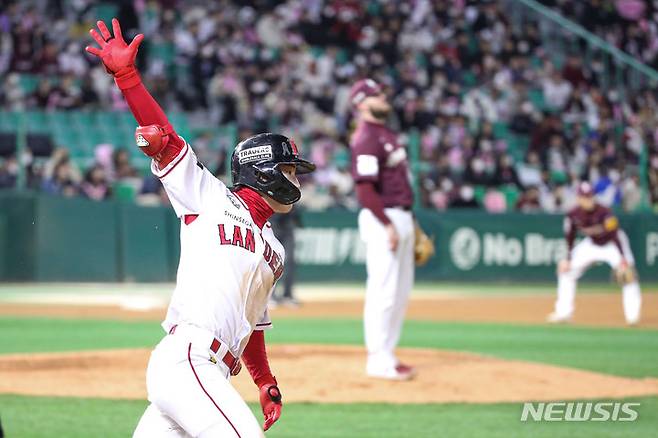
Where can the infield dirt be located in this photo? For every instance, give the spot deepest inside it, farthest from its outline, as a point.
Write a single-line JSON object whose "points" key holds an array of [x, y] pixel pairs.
{"points": [[329, 373], [313, 373]]}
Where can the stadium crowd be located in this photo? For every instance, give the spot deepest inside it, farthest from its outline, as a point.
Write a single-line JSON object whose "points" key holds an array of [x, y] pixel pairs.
{"points": [[493, 114]]}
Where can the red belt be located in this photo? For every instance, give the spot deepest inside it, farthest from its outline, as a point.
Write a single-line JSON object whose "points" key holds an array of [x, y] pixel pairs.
{"points": [[232, 362]]}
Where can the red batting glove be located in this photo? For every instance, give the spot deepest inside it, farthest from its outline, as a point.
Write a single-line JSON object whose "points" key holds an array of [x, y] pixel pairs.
{"points": [[270, 401], [117, 56]]}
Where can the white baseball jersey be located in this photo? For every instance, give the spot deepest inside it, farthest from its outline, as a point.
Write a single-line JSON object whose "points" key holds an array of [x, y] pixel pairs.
{"points": [[228, 265]]}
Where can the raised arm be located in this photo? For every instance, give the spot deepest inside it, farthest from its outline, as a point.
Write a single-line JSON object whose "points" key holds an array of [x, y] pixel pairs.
{"points": [[155, 135]]}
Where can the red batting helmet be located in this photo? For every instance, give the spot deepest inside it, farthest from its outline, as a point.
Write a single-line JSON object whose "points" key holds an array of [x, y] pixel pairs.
{"points": [[362, 89]]}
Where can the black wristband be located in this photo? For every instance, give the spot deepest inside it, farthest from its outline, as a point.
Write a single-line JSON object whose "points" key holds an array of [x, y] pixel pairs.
{"points": [[274, 393]]}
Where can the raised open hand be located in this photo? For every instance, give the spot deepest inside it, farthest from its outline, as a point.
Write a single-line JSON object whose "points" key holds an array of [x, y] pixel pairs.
{"points": [[117, 56]]}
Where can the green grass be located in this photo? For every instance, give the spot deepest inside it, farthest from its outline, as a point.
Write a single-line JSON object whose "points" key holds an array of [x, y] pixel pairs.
{"points": [[620, 351], [36, 417]]}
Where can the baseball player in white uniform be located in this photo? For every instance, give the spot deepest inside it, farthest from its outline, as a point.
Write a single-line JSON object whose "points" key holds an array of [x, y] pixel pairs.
{"points": [[386, 225], [229, 263], [604, 242]]}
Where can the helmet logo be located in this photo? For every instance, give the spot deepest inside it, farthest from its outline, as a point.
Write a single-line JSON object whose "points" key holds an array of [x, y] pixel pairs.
{"points": [[141, 141], [257, 153], [295, 151]]}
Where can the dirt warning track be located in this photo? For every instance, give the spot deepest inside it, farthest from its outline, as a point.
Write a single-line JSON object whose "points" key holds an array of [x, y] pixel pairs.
{"points": [[601, 310]]}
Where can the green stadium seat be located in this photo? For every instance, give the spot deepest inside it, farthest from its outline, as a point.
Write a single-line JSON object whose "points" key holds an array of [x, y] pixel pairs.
{"points": [[36, 119], [511, 195], [536, 96], [480, 192], [107, 119], [85, 119], [500, 130], [9, 121], [29, 82], [106, 11], [69, 139]]}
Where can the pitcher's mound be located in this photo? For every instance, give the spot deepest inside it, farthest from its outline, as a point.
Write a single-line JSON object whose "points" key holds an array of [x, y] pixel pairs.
{"points": [[319, 373]]}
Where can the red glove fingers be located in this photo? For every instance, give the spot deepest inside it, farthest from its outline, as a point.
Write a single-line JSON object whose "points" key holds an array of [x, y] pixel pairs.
{"points": [[270, 401], [103, 28], [117, 56]]}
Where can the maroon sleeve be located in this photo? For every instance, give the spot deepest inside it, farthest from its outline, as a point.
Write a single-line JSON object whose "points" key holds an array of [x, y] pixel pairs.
{"points": [[614, 234], [370, 199]]}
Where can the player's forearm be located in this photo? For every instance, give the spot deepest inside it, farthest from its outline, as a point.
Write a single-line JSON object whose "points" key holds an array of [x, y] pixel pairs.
{"points": [[147, 111], [617, 242], [143, 106], [570, 238], [370, 199], [254, 358]]}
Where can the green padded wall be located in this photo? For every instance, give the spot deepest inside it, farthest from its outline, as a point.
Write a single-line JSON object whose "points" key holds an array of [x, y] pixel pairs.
{"points": [[77, 240], [143, 243]]}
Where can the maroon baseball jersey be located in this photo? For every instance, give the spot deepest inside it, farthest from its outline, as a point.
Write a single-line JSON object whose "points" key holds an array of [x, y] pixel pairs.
{"points": [[378, 157], [581, 220]]}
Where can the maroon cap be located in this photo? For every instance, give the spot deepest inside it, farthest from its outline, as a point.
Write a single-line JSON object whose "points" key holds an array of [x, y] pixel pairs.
{"points": [[364, 88], [585, 189]]}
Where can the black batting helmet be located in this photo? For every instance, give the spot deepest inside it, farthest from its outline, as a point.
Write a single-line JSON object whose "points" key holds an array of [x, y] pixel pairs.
{"points": [[255, 162]]}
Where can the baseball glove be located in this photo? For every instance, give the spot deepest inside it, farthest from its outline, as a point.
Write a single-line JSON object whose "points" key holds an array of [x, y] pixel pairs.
{"points": [[423, 246], [625, 274]]}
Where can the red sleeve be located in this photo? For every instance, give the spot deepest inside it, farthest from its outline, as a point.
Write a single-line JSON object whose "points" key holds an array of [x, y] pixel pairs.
{"points": [[254, 358], [145, 109], [370, 199]]}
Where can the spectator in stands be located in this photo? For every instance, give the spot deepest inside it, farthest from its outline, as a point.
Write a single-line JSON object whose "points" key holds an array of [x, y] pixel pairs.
{"points": [[62, 181], [464, 198], [13, 96], [95, 186], [42, 95], [556, 89], [473, 85], [528, 202], [8, 172], [122, 167]]}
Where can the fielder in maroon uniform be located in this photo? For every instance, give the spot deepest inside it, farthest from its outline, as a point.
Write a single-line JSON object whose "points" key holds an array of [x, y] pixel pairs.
{"points": [[386, 225], [604, 242]]}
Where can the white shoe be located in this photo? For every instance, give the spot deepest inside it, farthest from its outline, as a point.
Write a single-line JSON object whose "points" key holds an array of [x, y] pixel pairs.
{"points": [[399, 372], [633, 322], [555, 318]]}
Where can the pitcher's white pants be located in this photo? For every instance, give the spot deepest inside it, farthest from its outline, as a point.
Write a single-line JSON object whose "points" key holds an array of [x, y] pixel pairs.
{"points": [[584, 255], [191, 396], [390, 280]]}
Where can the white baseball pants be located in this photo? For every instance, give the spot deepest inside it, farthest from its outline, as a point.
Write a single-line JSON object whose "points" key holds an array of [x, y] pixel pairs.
{"points": [[584, 255], [190, 395], [390, 280]]}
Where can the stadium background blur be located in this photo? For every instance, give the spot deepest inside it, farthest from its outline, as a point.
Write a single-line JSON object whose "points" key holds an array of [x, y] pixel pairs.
{"points": [[504, 107], [494, 116]]}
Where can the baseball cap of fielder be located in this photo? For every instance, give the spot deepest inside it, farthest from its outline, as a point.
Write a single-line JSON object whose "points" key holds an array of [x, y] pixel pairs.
{"points": [[364, 88], [585, 189]]}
